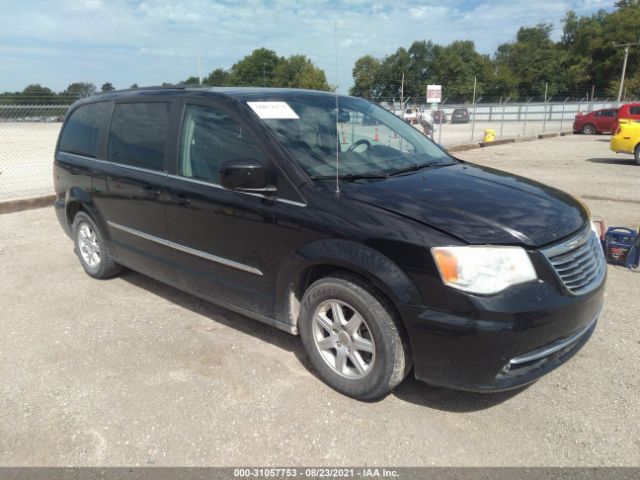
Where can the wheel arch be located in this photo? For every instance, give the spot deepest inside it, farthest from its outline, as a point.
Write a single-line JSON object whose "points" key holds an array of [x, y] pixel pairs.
{"points": [[325, 257], [79, 200]]}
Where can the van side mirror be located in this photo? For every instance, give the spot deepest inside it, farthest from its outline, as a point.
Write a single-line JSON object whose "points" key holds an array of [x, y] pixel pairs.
{"points": [[344, 116], [245, 175]]}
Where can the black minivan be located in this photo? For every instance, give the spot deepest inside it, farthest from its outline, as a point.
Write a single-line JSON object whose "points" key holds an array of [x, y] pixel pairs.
{"points": [[380, 249]]}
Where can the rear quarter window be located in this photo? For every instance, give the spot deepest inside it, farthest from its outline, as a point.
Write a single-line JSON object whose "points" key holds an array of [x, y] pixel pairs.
{"points": [[82, 130], [635, 110]]}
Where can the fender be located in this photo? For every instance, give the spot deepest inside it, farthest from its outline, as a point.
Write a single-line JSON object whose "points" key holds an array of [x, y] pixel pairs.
{"points": [[347, 254]]}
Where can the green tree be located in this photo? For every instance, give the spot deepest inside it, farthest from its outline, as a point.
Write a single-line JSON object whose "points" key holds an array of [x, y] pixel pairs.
{"points": [[298, 71], [79, 90], [35, 93], [107, 87], [591, 40], [366, 78], [537, 61], [217, 78], [190, 81], [255, 69], [456, 66]]}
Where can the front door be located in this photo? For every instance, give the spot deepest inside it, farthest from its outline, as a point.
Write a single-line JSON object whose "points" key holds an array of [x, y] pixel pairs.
{"points": [[222, 240]]}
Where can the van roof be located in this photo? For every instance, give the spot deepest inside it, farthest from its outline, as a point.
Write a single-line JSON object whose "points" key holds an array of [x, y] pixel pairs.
{"points": [[239, 92]]}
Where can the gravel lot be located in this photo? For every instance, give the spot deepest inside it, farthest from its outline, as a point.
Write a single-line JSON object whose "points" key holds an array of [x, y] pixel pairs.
{"points": [[131, 372]]}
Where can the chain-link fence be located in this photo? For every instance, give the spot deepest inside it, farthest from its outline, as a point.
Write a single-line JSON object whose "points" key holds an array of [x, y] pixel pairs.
{"points": [[467, 122], [28, 133]]}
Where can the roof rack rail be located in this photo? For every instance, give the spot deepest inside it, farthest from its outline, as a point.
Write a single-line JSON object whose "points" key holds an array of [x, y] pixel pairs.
{"points": [[152, 87]]}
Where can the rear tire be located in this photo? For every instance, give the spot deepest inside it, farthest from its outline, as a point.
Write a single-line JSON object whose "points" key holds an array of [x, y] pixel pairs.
{"points": [[589, 129], [636, 154], [94, 254], [353, 337]]}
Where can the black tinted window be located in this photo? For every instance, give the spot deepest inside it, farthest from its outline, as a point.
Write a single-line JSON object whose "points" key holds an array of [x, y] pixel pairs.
{"points": [[634, 110], [209, 138], [608, 113], [137, 134], [82, 130]]}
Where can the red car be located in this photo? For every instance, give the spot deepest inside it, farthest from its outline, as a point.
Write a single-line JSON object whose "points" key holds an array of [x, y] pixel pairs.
{"points": [[439, 117], [598, 121], [628, 110]]}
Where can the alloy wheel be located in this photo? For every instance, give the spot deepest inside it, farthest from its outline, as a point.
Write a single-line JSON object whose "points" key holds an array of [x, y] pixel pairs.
{"points": [[88, 245], [343, 339]]}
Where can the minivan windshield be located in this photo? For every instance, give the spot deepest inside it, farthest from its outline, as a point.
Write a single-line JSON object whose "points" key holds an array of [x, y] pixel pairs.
{"points": [[370, 141]]}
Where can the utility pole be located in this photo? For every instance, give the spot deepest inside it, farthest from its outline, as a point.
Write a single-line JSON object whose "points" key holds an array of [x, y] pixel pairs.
{"points": [[624, 63], [264, 75], [402, 94]]}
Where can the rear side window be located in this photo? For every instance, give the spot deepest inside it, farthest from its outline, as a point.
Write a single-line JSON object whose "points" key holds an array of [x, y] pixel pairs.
{"points": [[634, 110], [137, 134], [210, 138], [82, 131]]}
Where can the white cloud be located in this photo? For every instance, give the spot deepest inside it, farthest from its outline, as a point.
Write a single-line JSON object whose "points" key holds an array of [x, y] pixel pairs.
{"points": [[153, 41]]}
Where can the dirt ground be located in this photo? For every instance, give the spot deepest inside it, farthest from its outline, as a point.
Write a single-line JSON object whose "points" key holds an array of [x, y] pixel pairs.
{"points": [[131, 372]]}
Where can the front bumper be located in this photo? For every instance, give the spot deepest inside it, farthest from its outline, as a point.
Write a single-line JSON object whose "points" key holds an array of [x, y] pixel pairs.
{"points": [[500, 342]]}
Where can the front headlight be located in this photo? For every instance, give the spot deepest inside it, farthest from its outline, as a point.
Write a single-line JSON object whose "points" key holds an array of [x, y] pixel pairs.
{"points": [[483, 270]]}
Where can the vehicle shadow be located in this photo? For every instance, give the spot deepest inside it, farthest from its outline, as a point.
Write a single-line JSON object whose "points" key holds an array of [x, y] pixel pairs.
{"points": [[411, 390], [219, 315], [448, 400], [613, 161]]}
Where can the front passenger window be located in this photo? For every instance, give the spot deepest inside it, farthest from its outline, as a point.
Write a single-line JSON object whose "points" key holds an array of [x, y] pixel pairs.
{"points": [[210, 138]]}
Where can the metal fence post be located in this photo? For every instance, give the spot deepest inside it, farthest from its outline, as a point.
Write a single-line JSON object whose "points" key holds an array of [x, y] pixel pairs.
{"points": [[562, 114], [526, 111], [473, 123], [502, 119]]}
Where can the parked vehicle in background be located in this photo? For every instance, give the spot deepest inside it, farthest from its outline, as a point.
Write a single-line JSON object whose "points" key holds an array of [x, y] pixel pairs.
{"points": [[460, 115], [417, 266], [626, 139], [628, 110], [439, 117], [598, 121], [411, 115]]}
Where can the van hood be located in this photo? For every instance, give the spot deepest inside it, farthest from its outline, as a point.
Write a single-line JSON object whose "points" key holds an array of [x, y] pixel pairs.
{"points": [[478, 205]]}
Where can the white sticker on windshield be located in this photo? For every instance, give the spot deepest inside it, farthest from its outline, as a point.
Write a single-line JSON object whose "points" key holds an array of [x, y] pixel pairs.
{"points": [[273, 110]]}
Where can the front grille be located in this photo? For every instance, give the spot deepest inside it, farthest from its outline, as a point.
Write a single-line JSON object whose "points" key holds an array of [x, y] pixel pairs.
{"points": [[579, 262]]}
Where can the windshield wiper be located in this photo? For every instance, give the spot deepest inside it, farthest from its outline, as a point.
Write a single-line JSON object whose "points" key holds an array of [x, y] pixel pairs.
{"points": [[412, 168], [351, 176]]}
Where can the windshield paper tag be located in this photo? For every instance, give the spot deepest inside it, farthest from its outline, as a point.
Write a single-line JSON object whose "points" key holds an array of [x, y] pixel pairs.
{"points": [[273, 110]]}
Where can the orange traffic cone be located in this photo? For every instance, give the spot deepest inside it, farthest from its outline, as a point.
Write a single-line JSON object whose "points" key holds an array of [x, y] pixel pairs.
{"points": [[344, 136], [376, 137]]}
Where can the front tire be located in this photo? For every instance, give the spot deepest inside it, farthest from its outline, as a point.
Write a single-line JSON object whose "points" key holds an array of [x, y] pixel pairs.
{"points": [[353, 337], [636, 154], [94, 254], [589, 129]]}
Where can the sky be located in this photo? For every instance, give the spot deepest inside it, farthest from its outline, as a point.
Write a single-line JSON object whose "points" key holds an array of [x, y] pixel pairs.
{"points": [[57, 42]]}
